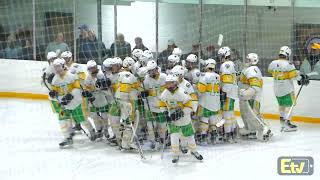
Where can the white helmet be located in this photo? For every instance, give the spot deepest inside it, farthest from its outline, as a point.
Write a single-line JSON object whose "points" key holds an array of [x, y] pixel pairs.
{"points": [[286, 51], [151, 65], [148, 52], [128, 62], [192, 58], [171, 78], [91, 64], [145, 57], [107, 62], [142, 72], [210, 63], [178, 70], [59, 62], [174, 58], [51, 55], [66, 54], [252, 58], [137, 53], [116, 60], [177, 51], [224, 51]]}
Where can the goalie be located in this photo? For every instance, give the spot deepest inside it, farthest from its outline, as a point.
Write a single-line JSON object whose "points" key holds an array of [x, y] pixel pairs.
{"points": [[250, 96]]}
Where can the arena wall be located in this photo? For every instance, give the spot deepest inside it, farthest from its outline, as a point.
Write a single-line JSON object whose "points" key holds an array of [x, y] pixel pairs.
{"points": [[22, 79]]}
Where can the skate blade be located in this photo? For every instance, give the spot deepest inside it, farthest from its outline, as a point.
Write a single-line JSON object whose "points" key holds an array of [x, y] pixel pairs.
{"points": [[66, 147], [290, 130]]}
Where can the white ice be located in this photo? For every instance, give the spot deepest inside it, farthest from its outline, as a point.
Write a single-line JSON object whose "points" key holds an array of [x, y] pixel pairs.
{"points": [[29, 137]]}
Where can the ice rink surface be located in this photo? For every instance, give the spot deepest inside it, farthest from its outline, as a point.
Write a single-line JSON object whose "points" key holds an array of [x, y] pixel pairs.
{"points": [[29, 138]]}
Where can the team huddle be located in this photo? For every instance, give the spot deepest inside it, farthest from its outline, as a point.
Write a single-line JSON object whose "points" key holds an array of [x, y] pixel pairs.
{"points": [[132, 101]]}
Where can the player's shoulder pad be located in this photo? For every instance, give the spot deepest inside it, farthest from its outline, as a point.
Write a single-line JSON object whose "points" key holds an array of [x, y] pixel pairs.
{"points": [[196, 73], [182, 94], [253, 71], [273, 65], [228, 68]]}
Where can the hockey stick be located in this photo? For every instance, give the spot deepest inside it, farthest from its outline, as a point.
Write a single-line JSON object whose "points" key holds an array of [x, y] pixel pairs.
{"points": [[165, 140], [220, 40], [135, 137], [291, 108], [148, 106]]}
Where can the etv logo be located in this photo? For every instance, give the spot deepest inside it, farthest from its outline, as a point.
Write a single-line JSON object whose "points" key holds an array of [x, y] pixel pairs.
{"points": [[295, 165]]}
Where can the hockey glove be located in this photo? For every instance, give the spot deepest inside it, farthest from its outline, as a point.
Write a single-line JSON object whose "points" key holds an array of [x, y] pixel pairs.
{"points": [[66, 99], [50, 78], [88, 95], [144, 94], [176, 115], [108, 82], [304, 81], [53, 94], [102, 84], [194, 116], [223, 96], [167, 117]]}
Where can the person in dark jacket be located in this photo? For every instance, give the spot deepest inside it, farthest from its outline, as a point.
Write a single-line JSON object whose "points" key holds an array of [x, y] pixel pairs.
{"points": [[139, 44], [163, 56], [123, 47], [89, 48]]}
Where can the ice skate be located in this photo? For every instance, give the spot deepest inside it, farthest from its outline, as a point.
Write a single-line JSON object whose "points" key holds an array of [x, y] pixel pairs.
{"points": [[197, 155]]}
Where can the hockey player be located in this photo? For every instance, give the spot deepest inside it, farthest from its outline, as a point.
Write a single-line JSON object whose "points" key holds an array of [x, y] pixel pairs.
{"points": [[250, 90], [283, 73], [66, 89], [124, 94], [73, 67], [172, 61], [114, 111], [229, 92], [193, 73], [128, 65], [96, 88], [48, 73], [251, 82], [177, 51], [136, 55], [47, 77], [154, 84], [177, 107], [209, 103], [179, 71], [76, 69]]}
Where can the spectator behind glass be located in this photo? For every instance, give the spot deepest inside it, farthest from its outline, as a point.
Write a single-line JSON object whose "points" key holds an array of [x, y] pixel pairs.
{"points": [[89, 47], [80, 58], [211, 53], [123, 47], [235, 57], [139, 44], [3, 44], [23, 37], [58, 45], [196, 49], [13, 49], [163, 56]]}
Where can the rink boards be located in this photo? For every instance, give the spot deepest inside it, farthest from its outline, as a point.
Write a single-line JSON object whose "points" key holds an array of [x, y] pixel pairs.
{"points": [[22, 79]]}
